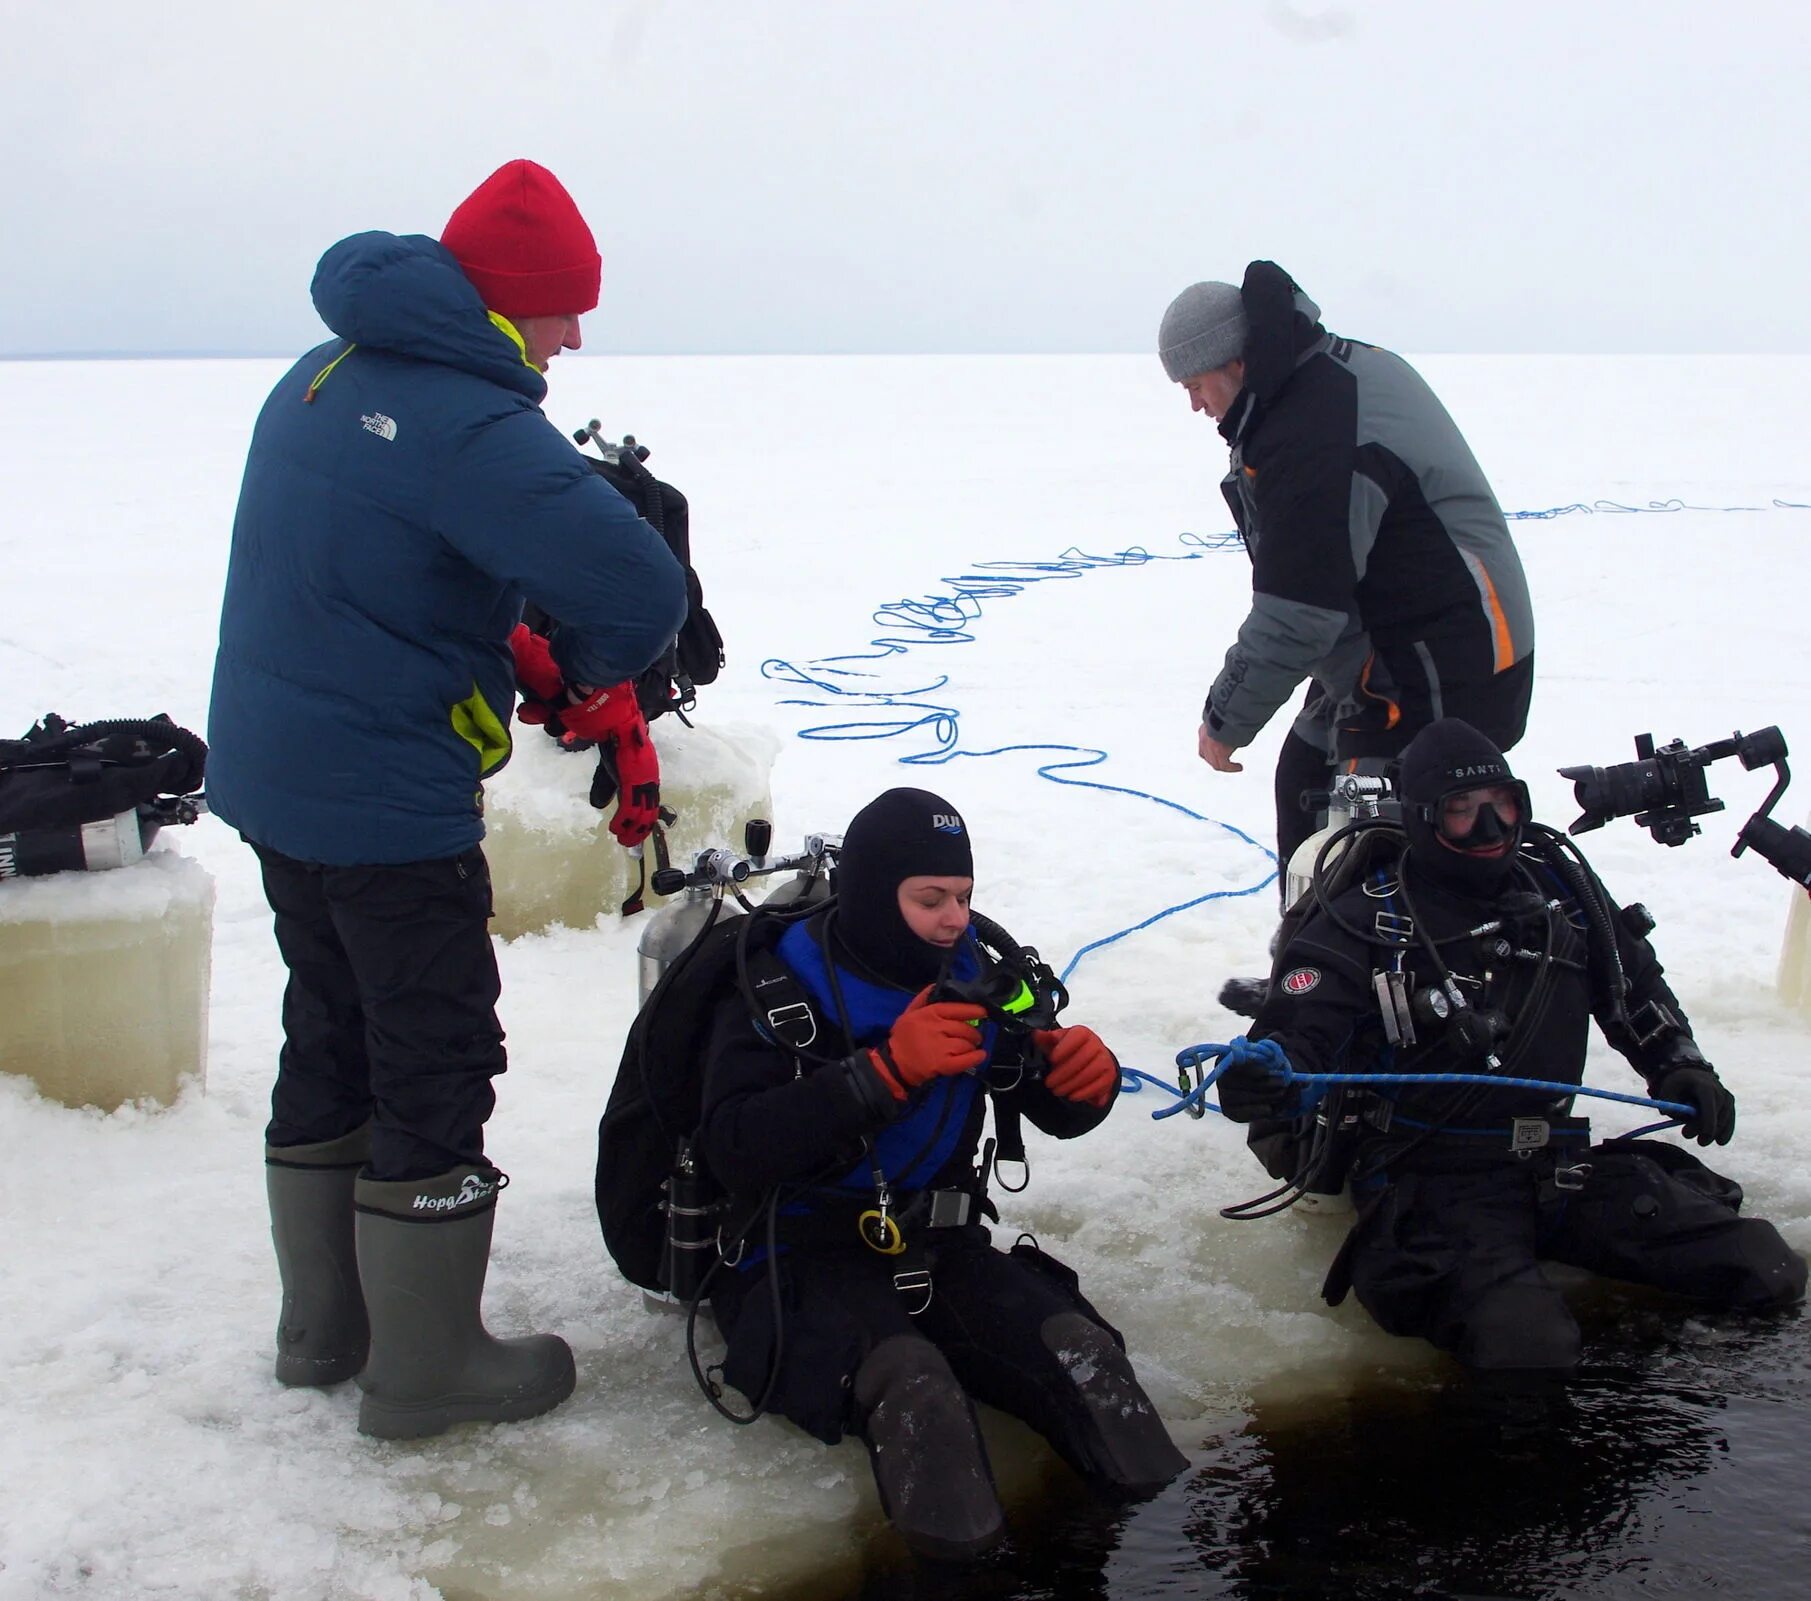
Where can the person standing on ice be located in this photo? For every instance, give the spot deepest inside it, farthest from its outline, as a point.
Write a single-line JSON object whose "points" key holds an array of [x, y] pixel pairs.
{"points": [[1475, 942], [1382, 567], [887, 1308], [402, 497]]}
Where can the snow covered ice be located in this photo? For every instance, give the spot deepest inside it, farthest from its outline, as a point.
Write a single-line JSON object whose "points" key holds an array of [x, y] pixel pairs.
{"points": [[151, 1452]]}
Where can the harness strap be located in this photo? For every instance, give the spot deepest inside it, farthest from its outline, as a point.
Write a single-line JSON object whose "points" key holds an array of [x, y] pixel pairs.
{"points": [[779, 1004]]}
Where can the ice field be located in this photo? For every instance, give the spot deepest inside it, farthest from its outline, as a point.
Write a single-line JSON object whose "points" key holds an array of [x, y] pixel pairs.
{"points": [[151, 1453]]}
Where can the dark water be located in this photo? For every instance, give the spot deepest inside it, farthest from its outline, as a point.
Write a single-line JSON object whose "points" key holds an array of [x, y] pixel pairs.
{"points": [[1677, 1463]]}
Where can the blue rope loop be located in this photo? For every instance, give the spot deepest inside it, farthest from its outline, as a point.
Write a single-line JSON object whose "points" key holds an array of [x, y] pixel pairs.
{"points": [[1270, 1057], [850, 681]]}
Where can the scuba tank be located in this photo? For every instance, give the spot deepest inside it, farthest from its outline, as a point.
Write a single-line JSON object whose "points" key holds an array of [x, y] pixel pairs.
{"points": [[673, 929], [1352, 797]]}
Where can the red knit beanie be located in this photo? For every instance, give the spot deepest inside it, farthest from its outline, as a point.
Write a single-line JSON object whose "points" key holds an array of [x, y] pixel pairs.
{"points": [[520, 239]]}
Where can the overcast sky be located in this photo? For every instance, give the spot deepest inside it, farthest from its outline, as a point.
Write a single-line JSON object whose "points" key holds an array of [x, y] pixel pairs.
{"points": [[947, 175]]}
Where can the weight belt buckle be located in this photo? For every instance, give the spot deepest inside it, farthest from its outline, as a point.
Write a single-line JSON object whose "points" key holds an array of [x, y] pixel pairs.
{"points": [[1528, 1134]]}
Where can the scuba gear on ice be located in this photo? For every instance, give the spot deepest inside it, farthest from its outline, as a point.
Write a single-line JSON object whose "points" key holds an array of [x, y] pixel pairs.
{"points": [[696, 655], [94, 795]]}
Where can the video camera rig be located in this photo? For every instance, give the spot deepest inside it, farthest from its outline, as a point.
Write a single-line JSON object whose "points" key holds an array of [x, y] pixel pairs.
{"points": [[1665, 789]]}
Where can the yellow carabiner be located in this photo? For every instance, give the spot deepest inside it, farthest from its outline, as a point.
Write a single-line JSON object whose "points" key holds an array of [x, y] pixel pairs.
{"points": [[880, 1233]]}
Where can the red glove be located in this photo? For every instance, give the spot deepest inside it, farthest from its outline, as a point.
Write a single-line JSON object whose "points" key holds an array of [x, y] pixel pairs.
{"points": [[613, 717], [1081, 1066], [929, 1041], [535, 670]]}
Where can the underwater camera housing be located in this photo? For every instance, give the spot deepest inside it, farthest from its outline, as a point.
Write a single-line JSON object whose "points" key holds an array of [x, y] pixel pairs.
{"points": [[1665, 789]]}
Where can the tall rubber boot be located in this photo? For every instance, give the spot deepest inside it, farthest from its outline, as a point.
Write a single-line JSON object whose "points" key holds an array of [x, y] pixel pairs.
{"points": [[1125, 1446], [929, 1463], [322, 1334], [423, 1248]]}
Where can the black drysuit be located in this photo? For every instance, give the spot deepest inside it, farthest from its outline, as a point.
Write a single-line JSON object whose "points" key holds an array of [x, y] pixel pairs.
{"points": [[1461, 1189], [771, 1123]]}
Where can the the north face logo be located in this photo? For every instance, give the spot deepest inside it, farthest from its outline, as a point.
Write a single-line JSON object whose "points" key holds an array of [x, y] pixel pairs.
{"points": [[471, 1189], [1301, 980], [377, 423], [946, 822]]}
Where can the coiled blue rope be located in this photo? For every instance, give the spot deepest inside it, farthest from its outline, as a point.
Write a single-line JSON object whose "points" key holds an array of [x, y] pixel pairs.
{"points": [[1617, 506], [948, 619]]}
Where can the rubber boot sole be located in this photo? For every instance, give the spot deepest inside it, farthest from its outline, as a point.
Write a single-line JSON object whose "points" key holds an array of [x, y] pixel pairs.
{"points": [[418, 1420]]}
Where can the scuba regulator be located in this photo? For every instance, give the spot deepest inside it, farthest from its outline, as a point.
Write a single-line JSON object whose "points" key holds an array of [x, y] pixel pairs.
{"points": [[1016, 988]]}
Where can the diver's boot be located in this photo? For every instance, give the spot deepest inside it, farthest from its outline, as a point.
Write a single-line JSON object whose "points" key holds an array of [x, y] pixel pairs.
{"points": [[929, 1464], [1125, 1446], [423, 1248], [322, 1334], [1243, 996]]}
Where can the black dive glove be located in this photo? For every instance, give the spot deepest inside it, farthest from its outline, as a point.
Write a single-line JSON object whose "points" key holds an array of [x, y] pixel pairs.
{"points": [[1687, 1078]]}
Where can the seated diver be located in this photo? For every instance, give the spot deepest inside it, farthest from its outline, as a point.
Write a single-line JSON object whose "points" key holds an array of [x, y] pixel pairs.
{"points": [[891, 1347], [1494, 938]]}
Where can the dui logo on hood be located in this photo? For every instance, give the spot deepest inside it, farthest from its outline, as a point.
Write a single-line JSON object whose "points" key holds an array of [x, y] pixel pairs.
{"points": [[1300, 980]]}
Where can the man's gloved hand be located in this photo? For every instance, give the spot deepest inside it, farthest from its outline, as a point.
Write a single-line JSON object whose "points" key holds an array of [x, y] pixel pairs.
{"points": [[612, 716], [1081, 1066], [931, 1039], [637, 784], [536, 675], [1697, 1085], [1247, 1094]]}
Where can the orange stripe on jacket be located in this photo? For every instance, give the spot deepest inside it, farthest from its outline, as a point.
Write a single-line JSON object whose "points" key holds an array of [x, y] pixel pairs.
{"points": [[1499, 624]]}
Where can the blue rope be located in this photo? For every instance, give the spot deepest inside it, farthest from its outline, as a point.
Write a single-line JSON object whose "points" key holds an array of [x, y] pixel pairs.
{"points": [[948, 619], [1616, 506], [1268, 1056]]}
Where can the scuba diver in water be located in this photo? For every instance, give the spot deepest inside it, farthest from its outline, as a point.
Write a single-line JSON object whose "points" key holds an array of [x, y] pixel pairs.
{"points": [[867, 1297], [1485, 945]]}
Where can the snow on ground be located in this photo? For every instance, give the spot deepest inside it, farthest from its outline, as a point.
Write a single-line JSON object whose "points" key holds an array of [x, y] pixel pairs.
{"points": [[150, 1452]]}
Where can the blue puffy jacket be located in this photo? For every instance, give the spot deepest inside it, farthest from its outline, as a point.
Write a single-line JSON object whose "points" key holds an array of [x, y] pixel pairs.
{"points": [[403, 495]]}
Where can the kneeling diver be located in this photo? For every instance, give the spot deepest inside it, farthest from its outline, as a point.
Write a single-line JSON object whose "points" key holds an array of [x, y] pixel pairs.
{"points": [[1484, 944]]}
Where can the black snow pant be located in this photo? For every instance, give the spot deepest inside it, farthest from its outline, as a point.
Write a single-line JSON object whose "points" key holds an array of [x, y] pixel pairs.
{"points": [[1451, 1256], [389, 1016], [987, 1313]]}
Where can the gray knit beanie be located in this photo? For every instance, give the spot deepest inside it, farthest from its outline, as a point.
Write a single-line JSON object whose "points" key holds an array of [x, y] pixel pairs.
{"points": [[1203, 329]]}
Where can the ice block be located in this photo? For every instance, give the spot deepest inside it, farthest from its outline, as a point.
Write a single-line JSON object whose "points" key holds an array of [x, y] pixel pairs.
{"points": [[104, 980]]}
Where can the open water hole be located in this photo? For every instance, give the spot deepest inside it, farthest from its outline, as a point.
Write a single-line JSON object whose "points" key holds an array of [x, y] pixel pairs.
{"points": [[1676, 1463]]}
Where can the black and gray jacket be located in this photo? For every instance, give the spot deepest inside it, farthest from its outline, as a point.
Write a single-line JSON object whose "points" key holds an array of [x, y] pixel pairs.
{"points": [[1382, 566]]}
